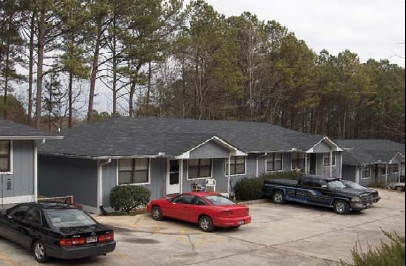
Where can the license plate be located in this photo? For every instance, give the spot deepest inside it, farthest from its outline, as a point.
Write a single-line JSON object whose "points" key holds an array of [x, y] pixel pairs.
{"points": [[92, 239], [241, 222]]}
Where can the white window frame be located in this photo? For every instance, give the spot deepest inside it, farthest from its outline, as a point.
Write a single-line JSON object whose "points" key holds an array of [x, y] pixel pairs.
{"points": [[235, 175], [11, 159], [200, 178], [266, 163], [306, 155], [334, 159], [370, 173], [136, 184]]}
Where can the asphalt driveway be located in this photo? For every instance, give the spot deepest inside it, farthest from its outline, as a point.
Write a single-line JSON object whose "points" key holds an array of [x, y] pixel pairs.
{"points": [[279, 235]]}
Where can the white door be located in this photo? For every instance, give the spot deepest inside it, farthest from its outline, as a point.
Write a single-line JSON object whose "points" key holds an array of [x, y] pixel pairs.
{"points": [[173, 177]]}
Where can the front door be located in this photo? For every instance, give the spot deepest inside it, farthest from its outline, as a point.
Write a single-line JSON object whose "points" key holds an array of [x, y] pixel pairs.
{"points": [[313, 164], [173, 178]]}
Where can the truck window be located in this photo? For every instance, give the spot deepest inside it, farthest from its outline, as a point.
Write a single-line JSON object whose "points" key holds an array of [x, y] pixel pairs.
{"points": [[307, 182]]}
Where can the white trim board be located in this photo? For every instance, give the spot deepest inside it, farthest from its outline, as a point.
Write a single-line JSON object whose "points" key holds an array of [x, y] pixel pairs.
{"points": [[17, 200]]}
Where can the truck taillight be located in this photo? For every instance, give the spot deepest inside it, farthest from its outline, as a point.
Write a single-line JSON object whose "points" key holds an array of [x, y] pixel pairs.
{"points": [[106, 238]]}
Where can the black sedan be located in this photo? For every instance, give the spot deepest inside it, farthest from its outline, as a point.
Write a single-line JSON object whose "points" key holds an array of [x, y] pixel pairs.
{"points": [[56, 230]]}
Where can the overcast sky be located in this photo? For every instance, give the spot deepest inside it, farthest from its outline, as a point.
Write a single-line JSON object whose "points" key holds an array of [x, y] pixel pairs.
{"points": [[371, 28]]}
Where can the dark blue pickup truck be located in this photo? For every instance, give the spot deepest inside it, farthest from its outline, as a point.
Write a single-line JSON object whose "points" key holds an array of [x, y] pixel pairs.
{"points": [[320, 191]]}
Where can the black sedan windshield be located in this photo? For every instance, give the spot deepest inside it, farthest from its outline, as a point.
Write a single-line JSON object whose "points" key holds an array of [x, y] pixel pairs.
{"points": [[69, 218], [219, 201]]}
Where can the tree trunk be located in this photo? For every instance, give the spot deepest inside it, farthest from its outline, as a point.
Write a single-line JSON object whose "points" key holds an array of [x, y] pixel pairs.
{"points": [[95, 69], [41, 41], [131, 100], [31, 70], [146, 113], [70, 92]]}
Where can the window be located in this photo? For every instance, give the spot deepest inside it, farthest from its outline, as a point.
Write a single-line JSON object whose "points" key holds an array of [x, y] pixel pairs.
{"points": [[34, 216], [274, 162], [18, 212], [298, 161], [133, 171], [184, 199], [237, 166], [326, 159], [366, 172], [5, 156], [199, 168], [394, 168]]}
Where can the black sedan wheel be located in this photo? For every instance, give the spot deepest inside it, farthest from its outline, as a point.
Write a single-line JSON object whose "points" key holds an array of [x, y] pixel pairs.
{"points": [[206, 224], [157, 213], [40, 252], [341, 207], [278, 197]]}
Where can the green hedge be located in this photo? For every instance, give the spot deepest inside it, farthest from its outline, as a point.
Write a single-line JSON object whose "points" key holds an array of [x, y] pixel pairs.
{"points": [[392, 254], [251, 188], [128, 198]]}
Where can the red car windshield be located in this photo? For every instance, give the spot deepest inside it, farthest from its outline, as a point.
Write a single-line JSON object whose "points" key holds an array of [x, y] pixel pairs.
{"points": [[219, 200]]}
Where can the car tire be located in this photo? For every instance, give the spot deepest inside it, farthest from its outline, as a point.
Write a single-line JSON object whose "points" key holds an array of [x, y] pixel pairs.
{"points": [[278, 197], [206, 224], [157, 214], [39, 251], [341, 207]]}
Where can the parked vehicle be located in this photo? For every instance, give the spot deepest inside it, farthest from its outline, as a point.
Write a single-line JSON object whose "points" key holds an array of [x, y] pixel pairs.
{"points": [[375, 193], [320, 191], [208, 210], [56, 230], [397, 186]]}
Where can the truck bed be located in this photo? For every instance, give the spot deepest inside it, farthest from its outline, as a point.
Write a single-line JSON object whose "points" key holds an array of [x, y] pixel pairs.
{"points": [[282, 182]]}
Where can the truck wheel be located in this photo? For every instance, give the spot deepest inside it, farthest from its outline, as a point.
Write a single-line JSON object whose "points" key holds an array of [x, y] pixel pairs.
{"points": [[341, 207], [279, 197]]}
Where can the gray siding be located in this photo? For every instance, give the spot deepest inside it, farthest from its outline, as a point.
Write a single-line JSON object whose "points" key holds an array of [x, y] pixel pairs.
{"points": [[157, 179], [58, 176], [218, 173], [349, 172], [210, 150], [22, 179], [322, 147], [109, 177]]}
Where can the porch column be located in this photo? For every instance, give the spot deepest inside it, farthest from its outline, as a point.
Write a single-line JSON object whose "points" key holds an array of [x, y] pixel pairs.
{"points": [[229, 175], [387, 173], [331, 164], [181, 175], [306, 166]]}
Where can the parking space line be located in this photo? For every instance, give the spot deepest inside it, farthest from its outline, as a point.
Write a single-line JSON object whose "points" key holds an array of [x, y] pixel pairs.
{"points": [[7, 259]]}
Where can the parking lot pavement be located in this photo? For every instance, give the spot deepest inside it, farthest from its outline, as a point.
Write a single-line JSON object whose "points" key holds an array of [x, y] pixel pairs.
{"points": [[279, 235]]}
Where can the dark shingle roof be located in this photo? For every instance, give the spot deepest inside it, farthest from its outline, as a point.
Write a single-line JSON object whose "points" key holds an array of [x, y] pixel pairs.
{"points": [[124, 136], [11, 130], [359, 152]]}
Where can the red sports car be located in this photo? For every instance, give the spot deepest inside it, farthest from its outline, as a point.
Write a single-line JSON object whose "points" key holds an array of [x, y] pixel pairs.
{"points": [[208, 210]]}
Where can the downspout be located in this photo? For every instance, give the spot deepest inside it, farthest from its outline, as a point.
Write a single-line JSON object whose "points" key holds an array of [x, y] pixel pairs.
{"points": [[181, 176], [257, 172], [341, 166], [35, 171], [386, 173], [100, 183], [306, 162]]}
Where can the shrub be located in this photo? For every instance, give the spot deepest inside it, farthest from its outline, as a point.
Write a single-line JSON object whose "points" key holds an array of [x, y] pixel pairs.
{"points": [[284, 175], [392, 254], [128, 198], [251, 188]]}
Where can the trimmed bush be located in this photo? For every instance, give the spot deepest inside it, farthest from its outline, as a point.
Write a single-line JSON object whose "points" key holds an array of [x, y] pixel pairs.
{"points": [[128, 198], [251, 188], [392, 254]]}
